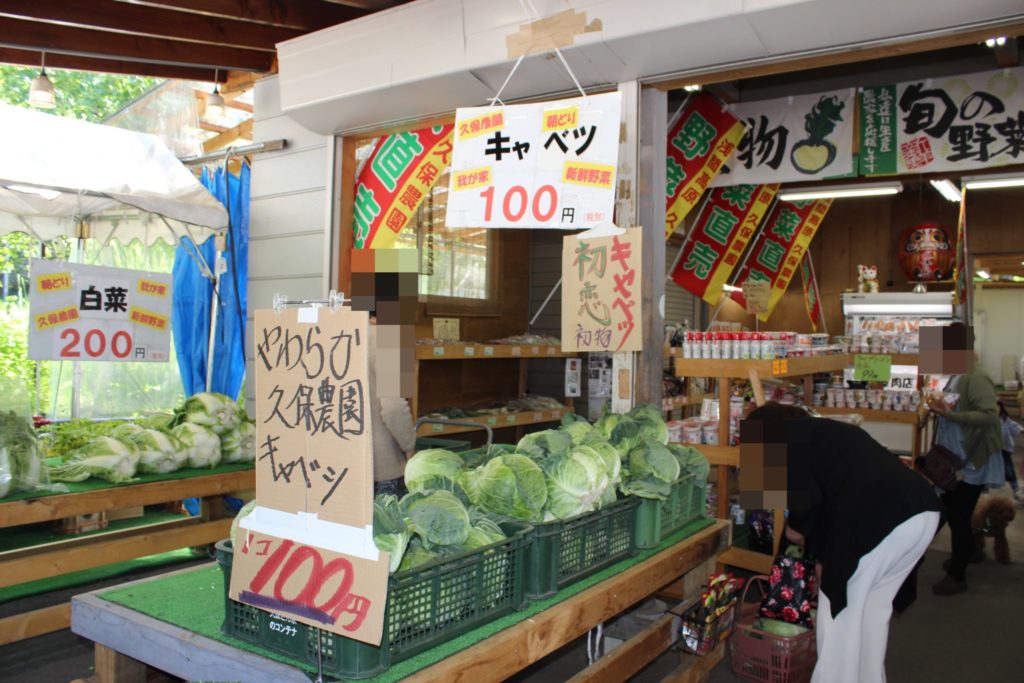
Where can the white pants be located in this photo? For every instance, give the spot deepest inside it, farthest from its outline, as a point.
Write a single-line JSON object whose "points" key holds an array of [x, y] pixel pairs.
{"points": [[851, 647]]}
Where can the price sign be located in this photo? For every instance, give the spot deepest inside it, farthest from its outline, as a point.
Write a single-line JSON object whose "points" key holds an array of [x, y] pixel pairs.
{"points": [[548, 165], [757, 294], [80, 312], [872, 367]]}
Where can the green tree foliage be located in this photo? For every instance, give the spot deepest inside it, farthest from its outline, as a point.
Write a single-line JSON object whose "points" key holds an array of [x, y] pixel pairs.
{"points": [[80, 94]]}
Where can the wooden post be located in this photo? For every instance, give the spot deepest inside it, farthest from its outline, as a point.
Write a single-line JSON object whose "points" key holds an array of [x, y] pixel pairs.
{"points": [[114, 667]]}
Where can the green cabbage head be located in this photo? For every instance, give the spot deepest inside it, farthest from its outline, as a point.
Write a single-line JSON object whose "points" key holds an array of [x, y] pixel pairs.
{"points": [[430, 463], [511, 485]]}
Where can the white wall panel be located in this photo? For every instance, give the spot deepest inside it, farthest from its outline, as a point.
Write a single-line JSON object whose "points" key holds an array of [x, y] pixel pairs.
{"points": [[285, 214], [290, 172]]}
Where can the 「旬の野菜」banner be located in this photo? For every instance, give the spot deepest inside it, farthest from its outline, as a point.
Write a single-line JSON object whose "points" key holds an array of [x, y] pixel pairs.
{"points": [[717, 241], [792, 139], [394, 180], [943, 124], [80, 312], [699, 143], [776, 255], [544, 165]]}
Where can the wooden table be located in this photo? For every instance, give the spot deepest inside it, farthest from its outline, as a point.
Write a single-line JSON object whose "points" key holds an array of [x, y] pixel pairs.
{"points": [[96, 550], [127, 642]]}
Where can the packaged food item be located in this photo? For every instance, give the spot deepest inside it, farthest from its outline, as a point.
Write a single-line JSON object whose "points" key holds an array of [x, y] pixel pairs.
{"points": [[710, 433]]}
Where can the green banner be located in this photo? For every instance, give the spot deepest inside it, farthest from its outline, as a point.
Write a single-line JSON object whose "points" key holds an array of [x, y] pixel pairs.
{"points": [[878, 128]]}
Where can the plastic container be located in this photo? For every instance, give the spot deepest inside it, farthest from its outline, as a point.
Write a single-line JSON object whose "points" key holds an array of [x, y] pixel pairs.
{"points": [[675, 430], [426, 606], [565, 551], [709, 433], [692, 433], [656, 520], [762, 657]]}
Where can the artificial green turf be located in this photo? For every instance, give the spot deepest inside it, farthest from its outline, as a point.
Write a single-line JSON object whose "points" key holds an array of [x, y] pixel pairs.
{"points": [[29, 535], [204, 612], [95, 484]]}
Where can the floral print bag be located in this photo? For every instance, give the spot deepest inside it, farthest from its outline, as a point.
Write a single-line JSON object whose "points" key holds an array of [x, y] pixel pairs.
{"points": [[792, 591]]}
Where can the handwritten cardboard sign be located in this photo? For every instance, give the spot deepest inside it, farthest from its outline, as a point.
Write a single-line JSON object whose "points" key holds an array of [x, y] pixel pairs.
{"points": [[601, 279], [306, 551], [872, 367], [756, 294], [318, 587]]}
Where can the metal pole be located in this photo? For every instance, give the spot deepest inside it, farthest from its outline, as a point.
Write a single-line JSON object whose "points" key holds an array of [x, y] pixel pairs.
{"points": [[256, 148], [545, 303]]}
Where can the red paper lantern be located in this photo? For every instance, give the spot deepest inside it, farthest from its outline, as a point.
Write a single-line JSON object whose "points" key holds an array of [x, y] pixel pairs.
{"points": [[926, 252]]}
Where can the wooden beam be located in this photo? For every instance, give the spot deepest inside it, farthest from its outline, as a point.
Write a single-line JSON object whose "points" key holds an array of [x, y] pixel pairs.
{"points": [[114, 667], [843, 55], [47, 508], [35, 623], [59, 61], [59, 39], [103, 552], [307, 15], [693, 669], [213, 127], [109, 15]]}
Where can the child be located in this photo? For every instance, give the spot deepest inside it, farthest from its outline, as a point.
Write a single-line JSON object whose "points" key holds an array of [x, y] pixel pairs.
{"points": [[1011, 430]]}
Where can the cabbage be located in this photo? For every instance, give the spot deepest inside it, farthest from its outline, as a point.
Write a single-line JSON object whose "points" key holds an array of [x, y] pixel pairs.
{"points": [[625, 436], [779, 628], [125, 430], [242, 514], [646, 487], [578, 430], [415, 555], [212, 410], [390, 532], [200, 445], [576, 482], [159, 453], [691, 461], [104, 457], [651, 458], [437, 517], [651, 422], [239, 445], [606, 423], [484, 531], [511, 485], [544, 444], [427, 464]]}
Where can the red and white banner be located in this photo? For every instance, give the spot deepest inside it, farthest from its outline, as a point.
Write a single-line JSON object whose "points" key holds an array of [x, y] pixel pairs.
{"points": [[394, 180], [718, 239], [699, 144], [961, 275], [783, 242]]}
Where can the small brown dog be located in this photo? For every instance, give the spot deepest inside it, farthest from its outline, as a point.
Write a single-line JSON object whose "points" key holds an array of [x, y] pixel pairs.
{"points": [[991, 515]]}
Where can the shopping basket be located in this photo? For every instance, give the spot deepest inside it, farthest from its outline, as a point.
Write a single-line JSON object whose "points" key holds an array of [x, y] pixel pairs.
{"points": [[764, 657]]}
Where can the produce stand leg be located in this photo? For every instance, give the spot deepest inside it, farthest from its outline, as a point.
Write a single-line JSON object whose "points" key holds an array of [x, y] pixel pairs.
{"points": [[723, 429], [114, 667]]}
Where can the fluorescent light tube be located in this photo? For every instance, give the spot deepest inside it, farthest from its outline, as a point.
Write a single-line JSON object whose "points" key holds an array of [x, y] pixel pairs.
{"points": [[991, 182], [797, 194], [947, 189]]}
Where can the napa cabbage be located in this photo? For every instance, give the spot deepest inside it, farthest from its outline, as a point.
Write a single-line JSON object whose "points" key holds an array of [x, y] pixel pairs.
{"points": [[104, 457], [200, 445], [239, 444], [159, 453]]}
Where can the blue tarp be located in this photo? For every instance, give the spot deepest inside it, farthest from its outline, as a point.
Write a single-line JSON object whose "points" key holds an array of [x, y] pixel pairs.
{"points": [[193, 293]]}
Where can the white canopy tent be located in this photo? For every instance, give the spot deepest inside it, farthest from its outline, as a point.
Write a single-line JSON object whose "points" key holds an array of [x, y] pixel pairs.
{"points": [[61, 176]]}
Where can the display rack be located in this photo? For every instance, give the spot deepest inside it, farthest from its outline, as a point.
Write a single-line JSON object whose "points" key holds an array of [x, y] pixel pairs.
{"points": [[725, 457], [515, 356]]}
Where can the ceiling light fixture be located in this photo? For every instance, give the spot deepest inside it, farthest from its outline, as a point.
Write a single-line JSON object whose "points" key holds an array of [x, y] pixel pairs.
{"points": [[996, 42], [990, 182], [41, 92], [732, 288], [215, 102], [948, 189], [692, 87], [984, 274], [797, 194]]}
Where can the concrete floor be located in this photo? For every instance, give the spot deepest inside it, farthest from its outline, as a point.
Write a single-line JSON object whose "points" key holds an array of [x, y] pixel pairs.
{"points": [[977, 632]]}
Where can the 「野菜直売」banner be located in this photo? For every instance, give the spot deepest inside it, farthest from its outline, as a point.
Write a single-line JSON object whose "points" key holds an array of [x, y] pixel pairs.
{"points": [[717, 241], [783, 242], [943, 124], [808, 137], [812, 297], [699, 144], [544, 165], [394, 180]]}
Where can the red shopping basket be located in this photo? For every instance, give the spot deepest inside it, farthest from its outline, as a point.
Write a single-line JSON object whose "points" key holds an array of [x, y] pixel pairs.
{"points": [[763, 657]]}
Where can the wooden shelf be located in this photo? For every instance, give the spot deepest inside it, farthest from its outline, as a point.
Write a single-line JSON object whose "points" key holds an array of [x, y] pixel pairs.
{"points": [[781, 367], [897, 358], [500, 421], [899, 417], [673, 402], [747, 559], [672, 351], [472, 351]]}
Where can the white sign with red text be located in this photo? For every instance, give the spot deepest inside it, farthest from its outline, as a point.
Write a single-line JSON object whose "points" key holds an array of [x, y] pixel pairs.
{"points": [[80, 312], [544, 165]]}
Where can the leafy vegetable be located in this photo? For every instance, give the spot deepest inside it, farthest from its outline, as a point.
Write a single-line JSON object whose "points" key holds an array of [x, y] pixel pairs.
{"points": [[124, 430], [242, 514], [691, 461], [437, 517], [651, 422], [159, 453], [200, 445], [510, 485], [210, 409], [23, 469], [390, 532], [545, 444], [104, 457], [576, 427], [239, 445], [646, 487], [779, 628], [576, 483], [430, 463], [651, 458]]}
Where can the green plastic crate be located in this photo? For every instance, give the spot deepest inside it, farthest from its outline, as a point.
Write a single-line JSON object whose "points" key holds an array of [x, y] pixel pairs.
{"points": [[426, 606], [566, 551], [453, 445], [656, 520]]}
